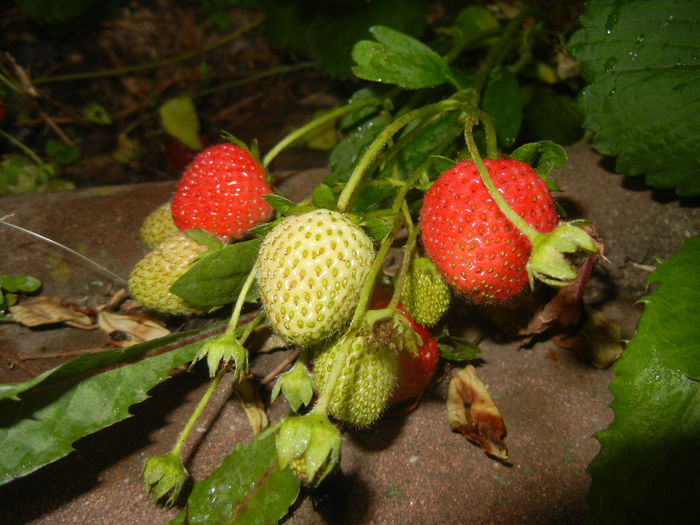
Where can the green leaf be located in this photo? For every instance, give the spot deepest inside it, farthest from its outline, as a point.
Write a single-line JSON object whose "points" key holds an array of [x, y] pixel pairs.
{"points": [[378, 228], [399, 59], [642, 60], [502, 101], [458, 349], [217, 278], [97, 114], [550, 116], [473, 20], [19, 283], [39, 425], [327, 31], [345, 155], [646, 469], [247, 488], [373, 195], [323, 197], [179, 119], [355, 117], [62, 153], [544, 156]]}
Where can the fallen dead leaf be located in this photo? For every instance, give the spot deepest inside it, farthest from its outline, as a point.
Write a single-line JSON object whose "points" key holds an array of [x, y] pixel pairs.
{"points": [[598, 341], [44, 310], [472, 412], [247, 393], [127, 330]]}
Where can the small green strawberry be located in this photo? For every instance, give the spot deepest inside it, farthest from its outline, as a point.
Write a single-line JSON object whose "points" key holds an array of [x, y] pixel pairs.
{"points": [[310, 270], [158, 226], [151, 278], [425, 295], [369, 361]]}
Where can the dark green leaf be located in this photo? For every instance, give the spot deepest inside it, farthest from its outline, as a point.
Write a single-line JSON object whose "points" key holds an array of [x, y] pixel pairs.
{"points": [[323, 197], [378, 228], [544, 156], [472, 21], [39, 425], [217, 278], [279, 203], [355, 117], [19, 283], [261, 230], [642, 60], [247, 488], [645, 471], [62, 153], [399, 59], [345, 155], [458, 349], [502, 101], [550, 116], [373, 195], [328, 30]]}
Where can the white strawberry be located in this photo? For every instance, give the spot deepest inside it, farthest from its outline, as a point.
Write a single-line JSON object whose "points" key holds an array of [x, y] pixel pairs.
{"points": [[158, 226], [310, 270]]}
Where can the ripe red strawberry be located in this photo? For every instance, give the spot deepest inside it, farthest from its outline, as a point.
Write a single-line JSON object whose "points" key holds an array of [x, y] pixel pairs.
{"points": [[474, 246], [221, 192]]}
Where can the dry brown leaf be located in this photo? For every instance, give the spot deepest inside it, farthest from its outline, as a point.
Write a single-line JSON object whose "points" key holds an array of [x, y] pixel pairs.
{"points": [[44, 309], [127, 330], [598, 341], [247, 393], [472, 412]]}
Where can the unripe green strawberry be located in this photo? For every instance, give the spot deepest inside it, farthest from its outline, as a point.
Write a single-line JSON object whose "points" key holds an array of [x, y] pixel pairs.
{"points": [[425, 295], [158, 226], [366, 381], [310, 270], [151, 278]]}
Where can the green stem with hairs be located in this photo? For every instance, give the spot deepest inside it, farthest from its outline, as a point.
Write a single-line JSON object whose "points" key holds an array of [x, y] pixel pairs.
{"points": [[300, 132], [382, 139], [21, 146], [408, 249], [151, 65], [233, 322], [520, 223]]}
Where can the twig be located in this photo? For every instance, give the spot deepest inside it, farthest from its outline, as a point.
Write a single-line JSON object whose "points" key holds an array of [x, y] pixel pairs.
{"points": [[281, 366], [17, 361]]}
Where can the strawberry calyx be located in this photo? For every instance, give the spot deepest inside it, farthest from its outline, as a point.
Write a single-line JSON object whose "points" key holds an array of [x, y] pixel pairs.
{"points": [[547, 262]]}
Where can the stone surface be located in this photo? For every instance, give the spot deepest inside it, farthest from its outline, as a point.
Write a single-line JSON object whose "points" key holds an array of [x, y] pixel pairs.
{"points": [[407, 469]]}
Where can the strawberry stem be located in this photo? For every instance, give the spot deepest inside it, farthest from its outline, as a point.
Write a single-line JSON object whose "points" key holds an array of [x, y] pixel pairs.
{"points": [[520, 223], [408, 250], [306, 128], [233, 322], [372, 152]]}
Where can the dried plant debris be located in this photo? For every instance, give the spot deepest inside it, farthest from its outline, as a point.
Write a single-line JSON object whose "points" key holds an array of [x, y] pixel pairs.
{"points": [[472, 412]]}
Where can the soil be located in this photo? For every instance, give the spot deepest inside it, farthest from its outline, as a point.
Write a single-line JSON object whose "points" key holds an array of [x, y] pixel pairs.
{"points": [[409, 468]]}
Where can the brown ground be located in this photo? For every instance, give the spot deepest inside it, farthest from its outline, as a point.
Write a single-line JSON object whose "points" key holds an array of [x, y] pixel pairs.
{"points": [[405, 469]]}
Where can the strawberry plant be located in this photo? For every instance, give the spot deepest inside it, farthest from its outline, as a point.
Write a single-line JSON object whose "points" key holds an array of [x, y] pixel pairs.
{"points": [[431, 171]]}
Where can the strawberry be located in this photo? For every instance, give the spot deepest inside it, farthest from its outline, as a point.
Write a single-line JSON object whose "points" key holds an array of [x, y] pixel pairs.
{"points": [[158, 226], [475, 247], [151, 278], [309, 270], [425, 295], [369, 359], [416, 371], [221, 192]]}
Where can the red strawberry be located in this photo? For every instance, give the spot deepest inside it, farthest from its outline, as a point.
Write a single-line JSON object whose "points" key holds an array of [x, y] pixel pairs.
{"points": [[416, 371], [221, 192], [474, 246]]}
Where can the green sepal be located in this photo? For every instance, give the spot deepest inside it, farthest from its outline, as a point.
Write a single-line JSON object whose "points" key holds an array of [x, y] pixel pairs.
{"points": [[547, 262], [227, 349], [205, 238], [163, 477], [309, 445], [296, 385]]}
